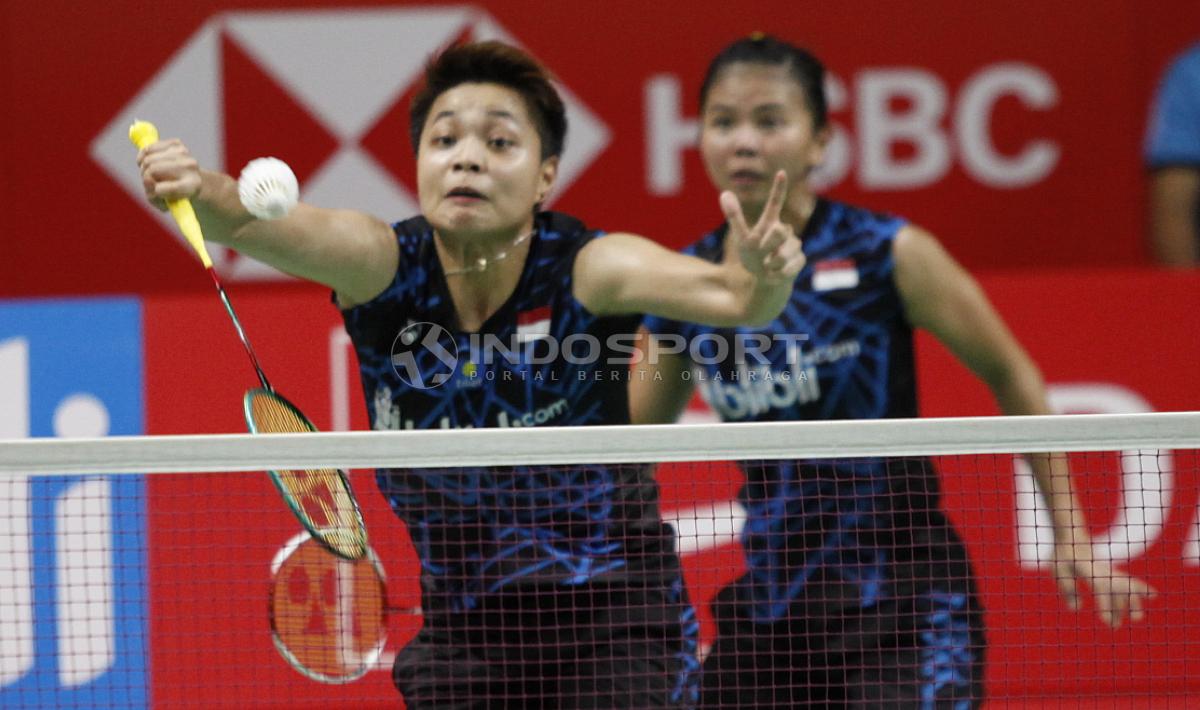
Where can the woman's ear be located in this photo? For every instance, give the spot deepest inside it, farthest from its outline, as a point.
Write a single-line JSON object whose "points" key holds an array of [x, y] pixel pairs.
{"points": [[546, 178], [821, 139]]}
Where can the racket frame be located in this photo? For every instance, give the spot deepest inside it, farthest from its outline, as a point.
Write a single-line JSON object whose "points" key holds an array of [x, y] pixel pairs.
{"points": [[368, 659], [277, 479]]}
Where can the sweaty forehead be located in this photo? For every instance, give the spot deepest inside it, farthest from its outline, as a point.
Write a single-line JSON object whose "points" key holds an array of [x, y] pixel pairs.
{"points": [[477, 101]]}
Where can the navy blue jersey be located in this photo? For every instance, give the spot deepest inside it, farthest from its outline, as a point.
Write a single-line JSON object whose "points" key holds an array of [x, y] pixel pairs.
{"points": [[821, 532], [478, 530], [419, 371], [842, 348]]}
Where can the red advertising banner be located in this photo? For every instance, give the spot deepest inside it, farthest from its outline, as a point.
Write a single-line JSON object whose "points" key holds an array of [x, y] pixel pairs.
{"points": [[1107, 340], [1010, 129]]}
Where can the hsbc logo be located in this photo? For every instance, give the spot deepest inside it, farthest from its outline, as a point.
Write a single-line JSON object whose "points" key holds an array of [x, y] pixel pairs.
{"points": [[326, 90]]}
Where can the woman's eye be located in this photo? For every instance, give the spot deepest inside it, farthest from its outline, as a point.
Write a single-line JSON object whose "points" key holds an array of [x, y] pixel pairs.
{"points": [[443, 141], [501, 143]]}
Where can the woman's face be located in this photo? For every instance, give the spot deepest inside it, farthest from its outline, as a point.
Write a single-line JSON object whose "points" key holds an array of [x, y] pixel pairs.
{"points": [[479, 166], [754, 123]]}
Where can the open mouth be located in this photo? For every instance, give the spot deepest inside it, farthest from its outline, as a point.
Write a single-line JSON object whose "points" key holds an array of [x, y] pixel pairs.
{"points": [[745, 177], [465, 192]]}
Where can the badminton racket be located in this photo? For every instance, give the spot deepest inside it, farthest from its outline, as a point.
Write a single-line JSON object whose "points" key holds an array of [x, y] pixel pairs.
{"points": [[321, 498]]}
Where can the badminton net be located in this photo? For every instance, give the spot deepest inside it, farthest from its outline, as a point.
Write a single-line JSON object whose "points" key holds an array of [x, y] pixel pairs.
{"points": [[759, 565]]}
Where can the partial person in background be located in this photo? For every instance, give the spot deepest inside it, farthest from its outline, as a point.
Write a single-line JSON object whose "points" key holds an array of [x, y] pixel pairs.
{"points": [[541, 587], [1173, 160], [858, 590]]}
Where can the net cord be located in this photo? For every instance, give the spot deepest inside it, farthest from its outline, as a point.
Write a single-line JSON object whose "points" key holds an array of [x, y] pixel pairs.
{"points": [[611, 444]]}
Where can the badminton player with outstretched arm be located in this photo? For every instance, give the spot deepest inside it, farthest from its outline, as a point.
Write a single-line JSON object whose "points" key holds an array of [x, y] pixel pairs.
{"points": [[858, 591], [541, 587]]}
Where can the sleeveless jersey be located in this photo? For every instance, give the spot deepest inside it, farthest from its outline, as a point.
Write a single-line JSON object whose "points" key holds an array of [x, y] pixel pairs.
{"points": [[821, 534], [541, 359]]}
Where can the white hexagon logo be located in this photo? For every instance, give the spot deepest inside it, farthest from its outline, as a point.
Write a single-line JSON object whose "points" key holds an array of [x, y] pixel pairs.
{"points": [[344, 72]]}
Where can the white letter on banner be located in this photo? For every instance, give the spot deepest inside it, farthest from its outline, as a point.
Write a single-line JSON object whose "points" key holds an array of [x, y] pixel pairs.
{"points": [[1191, 548], [16, 557], [84, 556], [972, 124], [1146, 484], [340, 350], [86, 607], [839, 155], [879, 129], [668, 134]]}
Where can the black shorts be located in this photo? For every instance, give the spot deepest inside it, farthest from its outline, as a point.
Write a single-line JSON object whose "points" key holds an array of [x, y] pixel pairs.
{"points": [[921, 645], [610, 645]]}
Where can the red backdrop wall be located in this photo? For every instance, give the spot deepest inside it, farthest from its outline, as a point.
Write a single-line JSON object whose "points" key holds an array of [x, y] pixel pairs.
{"points": [[1064, 86], [1068, 81]]}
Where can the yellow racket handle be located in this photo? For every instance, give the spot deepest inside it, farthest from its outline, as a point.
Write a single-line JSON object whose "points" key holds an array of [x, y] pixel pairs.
{"points": [[142, 134]]}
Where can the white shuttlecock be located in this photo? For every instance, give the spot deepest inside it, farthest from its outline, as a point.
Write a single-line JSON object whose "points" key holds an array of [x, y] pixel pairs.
{"points": [[267, 188]]}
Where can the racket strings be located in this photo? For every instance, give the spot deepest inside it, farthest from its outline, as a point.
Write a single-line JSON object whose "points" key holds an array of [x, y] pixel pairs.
{"points": [[329, 616], [319, 494]]}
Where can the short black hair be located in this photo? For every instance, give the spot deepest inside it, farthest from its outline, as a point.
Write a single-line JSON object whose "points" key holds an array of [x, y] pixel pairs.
{"points": [[493, 63], [760, 48]]}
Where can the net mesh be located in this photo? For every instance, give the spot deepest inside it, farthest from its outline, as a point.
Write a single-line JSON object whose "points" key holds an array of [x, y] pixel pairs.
{"points": [[873, 581], [332, 648], [319, 496]]}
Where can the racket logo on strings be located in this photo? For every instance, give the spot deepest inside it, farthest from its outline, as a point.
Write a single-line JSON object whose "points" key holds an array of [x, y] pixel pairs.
{"points": [[424, 355], [328, 615]]}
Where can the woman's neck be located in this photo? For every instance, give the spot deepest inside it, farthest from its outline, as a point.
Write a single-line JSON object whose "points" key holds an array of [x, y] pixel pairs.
{"points": [[796, 211], [481, 273]]}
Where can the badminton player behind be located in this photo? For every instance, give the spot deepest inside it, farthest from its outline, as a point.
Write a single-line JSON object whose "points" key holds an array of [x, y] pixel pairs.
{"points": [[858, 591]]}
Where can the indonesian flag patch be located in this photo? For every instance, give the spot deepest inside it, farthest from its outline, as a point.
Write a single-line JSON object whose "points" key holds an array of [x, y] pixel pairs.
{"points": [[834, 274], [533, 324]]}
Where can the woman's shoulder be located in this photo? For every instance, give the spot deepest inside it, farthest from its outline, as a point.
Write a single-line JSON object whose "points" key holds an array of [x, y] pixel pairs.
{"points": [[839, 226], [413, 230], [560, 225]]}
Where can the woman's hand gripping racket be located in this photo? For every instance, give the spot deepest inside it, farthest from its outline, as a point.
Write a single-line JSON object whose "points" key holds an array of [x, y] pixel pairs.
{"points": [[321, 498]]}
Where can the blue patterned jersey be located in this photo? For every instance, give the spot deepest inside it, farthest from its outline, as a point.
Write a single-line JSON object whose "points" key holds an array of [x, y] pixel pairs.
{"points": [[842, 348], [478, 530], [820, 532]]}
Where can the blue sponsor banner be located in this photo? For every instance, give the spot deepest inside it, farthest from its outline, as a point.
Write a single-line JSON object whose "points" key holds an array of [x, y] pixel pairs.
{"points": [[74, 627]]}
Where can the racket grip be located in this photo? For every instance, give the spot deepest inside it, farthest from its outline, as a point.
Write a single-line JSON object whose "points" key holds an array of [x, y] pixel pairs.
{"points": [[142, 134], [185, 217]]}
